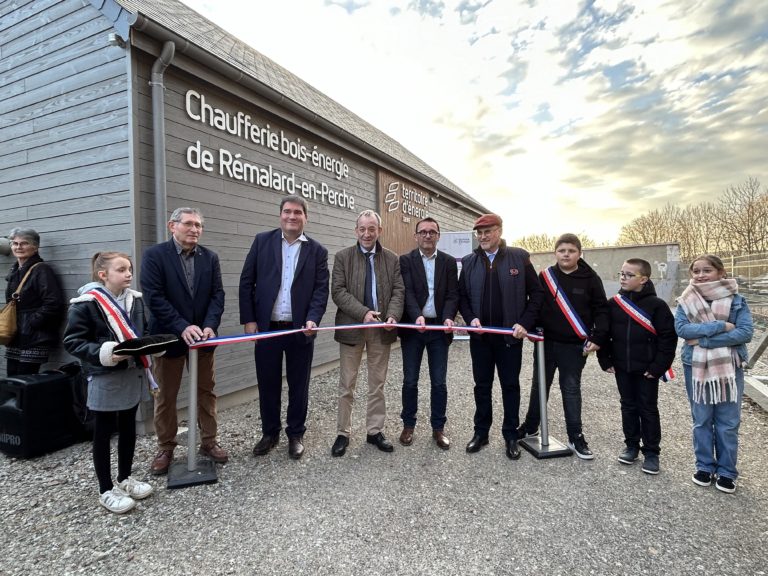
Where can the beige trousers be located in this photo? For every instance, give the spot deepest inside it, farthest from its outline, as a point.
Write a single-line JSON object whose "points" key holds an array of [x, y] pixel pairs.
{"points": [[350, 358]]}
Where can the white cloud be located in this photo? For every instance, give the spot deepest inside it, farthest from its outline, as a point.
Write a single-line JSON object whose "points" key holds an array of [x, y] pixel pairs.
{"points": [[526, 107]]}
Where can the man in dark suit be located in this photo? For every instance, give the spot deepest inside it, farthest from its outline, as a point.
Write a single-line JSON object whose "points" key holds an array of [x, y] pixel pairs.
{"points": [[498, 287], [283, 286], [182, 287], [431, 297]]}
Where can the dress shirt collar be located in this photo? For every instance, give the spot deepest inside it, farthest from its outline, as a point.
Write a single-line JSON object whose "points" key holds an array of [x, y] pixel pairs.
{"points": [[180, 248], [301, 238]]}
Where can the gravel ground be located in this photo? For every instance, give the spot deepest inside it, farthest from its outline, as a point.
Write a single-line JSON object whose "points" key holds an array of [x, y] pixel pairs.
{"points": [[417, 511]]}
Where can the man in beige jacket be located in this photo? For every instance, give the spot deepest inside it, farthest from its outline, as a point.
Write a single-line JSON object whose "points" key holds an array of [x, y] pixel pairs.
{"points": [[366, 286]]}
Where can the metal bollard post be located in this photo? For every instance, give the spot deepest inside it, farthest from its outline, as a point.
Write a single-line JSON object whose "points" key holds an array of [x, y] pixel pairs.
{"points": [[197, 470], [544, 446], [192, 412], [542, 374]]}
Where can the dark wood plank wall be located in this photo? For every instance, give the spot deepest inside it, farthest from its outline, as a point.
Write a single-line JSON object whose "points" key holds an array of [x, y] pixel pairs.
{"points": [[64, 126]]}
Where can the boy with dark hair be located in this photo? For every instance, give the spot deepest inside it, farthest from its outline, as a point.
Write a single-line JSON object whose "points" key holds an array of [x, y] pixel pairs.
{"points": [[641, 347], [574, 316]]}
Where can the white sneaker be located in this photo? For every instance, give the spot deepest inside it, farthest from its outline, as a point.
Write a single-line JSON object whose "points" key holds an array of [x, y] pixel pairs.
{"points": [[117, 501], [136, 489]]}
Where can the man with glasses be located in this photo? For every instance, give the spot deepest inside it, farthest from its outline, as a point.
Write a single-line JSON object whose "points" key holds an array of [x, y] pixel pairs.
{"points": [[366, 286], [575, 318], [498, 287], [431, 298], [182, 287]]}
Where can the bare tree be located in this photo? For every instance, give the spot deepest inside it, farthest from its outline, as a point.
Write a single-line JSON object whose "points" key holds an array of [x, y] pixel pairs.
{"points": [[744, 216], [546, 243], [587, 242], [737, 222], [536, 243], [654, 227], [700, 231]]}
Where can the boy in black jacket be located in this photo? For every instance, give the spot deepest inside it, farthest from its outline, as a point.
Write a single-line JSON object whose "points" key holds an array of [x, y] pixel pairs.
{"points": [[574, 316], [641, 349]]}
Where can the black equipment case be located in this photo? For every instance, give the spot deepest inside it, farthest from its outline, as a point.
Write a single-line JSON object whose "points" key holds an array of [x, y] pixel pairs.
{"points": [[36, 414]]}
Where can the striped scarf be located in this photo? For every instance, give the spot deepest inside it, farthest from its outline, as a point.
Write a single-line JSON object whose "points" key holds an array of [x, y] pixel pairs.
{"points": [[713, 369]]}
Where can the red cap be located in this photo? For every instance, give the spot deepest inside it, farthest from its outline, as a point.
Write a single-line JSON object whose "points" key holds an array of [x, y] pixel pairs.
{"points": [[487, 220]]}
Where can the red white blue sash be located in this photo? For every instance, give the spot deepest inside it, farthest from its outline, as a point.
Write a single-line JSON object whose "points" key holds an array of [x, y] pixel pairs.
{"points": [[121, 325], [564, 304], [641, 317], [635, 312]]}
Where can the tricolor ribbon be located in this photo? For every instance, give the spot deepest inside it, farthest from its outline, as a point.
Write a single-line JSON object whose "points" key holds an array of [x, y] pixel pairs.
{"points": [[641, 317], [220, 340]]}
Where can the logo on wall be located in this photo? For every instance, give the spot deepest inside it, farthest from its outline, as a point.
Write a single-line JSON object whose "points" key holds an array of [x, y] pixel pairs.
{"points": [[391, 199]]}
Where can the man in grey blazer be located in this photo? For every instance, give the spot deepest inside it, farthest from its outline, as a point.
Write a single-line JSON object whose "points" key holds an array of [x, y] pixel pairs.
{"points": [[283, 286], [431, 282]]}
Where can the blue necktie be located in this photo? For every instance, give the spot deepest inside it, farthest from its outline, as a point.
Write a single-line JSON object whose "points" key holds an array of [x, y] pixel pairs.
{"points": [[369, 281]]}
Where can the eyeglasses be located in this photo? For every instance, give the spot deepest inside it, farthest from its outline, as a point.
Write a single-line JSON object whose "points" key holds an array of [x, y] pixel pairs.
{"points": [[485, 231], [628, 275], [191, 224], [426, 233], [22, 244]]}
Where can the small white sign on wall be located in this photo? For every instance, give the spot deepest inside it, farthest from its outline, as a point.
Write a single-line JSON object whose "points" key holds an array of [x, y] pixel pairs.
{"points": [[457, 244]]}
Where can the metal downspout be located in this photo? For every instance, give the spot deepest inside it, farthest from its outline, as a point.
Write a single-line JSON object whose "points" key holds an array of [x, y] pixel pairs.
{"points": [[158, 137]]}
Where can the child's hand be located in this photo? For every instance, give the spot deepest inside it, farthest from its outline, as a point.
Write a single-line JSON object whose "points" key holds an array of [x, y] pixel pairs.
{"points": [[119, 358], [590, 347]]}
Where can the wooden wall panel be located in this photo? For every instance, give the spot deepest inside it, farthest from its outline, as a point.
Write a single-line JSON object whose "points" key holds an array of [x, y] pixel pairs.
{"points": [[76, 160], [402, 204], [64, 132]]}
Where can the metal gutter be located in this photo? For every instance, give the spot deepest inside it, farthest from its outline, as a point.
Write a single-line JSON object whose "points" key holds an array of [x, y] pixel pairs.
{"points": [[158, 138]]}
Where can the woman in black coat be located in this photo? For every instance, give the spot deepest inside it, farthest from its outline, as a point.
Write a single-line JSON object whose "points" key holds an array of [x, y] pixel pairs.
{"points": [[39, 309]]}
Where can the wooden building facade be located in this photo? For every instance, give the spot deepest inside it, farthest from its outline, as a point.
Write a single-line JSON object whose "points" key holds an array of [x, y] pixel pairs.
{"points": [[80, 161]]}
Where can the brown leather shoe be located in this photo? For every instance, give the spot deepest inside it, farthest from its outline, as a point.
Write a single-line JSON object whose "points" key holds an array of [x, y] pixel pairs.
{"points": [[406, 436], [162, 462], [214, 452], [441, 439]]}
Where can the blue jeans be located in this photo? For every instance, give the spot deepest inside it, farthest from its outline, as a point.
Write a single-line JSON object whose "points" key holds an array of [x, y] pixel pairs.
{"points": [[413, 346], [488, 352], [568, 359], [716, 430]]}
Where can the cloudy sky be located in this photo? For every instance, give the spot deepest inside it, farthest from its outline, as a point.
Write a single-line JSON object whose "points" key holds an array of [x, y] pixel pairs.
{"points": [[561, 115]]}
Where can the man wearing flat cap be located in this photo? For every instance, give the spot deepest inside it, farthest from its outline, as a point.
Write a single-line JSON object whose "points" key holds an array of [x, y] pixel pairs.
{"points": [[498, 287]]}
